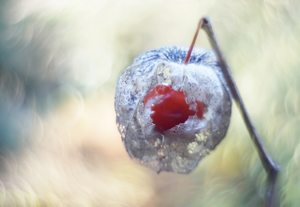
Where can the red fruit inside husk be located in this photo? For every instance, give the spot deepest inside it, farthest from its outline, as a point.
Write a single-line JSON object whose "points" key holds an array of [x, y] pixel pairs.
{"points": [[200, 109], [170, 108]]}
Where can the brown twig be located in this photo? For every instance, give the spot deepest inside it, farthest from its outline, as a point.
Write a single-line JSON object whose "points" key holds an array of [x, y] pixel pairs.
{"points": [[271, 168]]}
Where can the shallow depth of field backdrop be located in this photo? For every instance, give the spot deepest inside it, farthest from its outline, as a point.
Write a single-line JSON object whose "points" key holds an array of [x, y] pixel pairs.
{"points": [[59, 62]]}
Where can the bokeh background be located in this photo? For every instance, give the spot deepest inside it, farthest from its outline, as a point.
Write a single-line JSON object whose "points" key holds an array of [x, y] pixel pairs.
{"points": [[59, 62]]}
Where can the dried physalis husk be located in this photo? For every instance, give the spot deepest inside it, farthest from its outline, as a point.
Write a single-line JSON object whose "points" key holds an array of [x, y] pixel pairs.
{"points": [[171, 115]]}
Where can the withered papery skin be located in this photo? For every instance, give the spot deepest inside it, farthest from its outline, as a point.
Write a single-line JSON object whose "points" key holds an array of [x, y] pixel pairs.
{"points": [[180, 148]]}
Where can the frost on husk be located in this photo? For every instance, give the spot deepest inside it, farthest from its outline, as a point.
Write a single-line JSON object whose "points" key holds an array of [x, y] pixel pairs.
{"points": [[180, 148]]}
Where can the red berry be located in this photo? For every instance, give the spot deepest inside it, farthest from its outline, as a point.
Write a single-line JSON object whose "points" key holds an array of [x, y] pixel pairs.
{"points": [[170, 108], [200, 109]]}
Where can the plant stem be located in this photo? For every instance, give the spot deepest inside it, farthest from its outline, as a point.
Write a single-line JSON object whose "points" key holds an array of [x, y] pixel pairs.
{"points": [[270, 166]]}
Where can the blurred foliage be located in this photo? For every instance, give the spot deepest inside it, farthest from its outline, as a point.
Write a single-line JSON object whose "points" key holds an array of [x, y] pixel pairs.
{"points": [[59, 61]]}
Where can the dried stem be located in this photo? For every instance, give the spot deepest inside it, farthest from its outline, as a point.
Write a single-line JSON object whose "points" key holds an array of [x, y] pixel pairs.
{"points": [[188, 55], [271, 168]]}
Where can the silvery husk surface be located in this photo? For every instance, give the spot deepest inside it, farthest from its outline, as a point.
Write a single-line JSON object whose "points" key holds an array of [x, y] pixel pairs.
{"points": [[180, 148]]}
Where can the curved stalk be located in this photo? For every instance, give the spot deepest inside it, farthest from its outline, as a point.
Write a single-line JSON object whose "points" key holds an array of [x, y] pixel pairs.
{"points": [[270, 166]]}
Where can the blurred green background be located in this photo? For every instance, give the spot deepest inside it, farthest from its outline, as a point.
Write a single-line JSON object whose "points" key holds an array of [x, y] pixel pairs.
{"points": [[59, 62]]}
